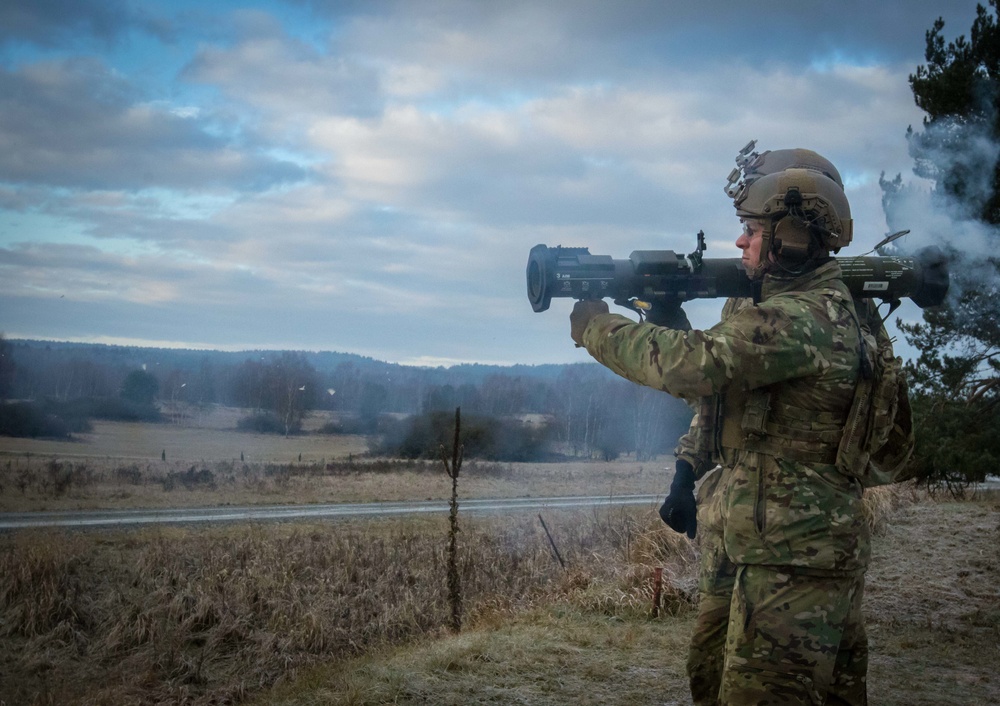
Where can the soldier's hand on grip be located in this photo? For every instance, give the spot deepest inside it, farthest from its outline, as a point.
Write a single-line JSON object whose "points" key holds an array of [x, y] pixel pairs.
{"points": [[583, 311], [680, 510]]}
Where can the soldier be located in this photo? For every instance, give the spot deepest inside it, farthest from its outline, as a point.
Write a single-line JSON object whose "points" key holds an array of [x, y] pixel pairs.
{"points": [[784, 545]]}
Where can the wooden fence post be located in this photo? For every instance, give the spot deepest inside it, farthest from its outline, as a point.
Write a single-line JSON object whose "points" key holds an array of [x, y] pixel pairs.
{"points": [[454, 579]]}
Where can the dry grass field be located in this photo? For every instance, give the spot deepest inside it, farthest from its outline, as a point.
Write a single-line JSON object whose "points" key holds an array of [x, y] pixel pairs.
{"points": [[932, 605], [57, 483], [150, 442], [178, 615], [356, 612], [122, 465], [214, 616]]}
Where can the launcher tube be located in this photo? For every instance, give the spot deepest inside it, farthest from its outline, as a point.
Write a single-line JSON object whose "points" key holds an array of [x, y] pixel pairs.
{"points": [[663, 275]]}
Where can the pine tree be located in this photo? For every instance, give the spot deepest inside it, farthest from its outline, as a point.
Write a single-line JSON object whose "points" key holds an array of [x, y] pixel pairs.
{"points": [[959, 89], [956, 379]]}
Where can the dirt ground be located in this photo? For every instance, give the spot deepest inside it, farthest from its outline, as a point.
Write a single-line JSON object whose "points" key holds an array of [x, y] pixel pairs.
{"points": [[933, 601]]}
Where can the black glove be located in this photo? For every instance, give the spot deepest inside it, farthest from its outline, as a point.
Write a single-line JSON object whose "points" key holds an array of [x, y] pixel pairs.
{"points": [[668, 316], [679, 510], [583, 311]]}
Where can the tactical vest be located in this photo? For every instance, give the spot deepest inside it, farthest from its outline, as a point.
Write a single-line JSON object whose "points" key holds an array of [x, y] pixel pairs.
{"points": [[870, 440], [767, 422], [760, 421]]}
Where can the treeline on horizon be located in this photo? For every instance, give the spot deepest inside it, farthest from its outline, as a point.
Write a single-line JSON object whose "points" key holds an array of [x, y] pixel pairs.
{"points": [[516, 413]]}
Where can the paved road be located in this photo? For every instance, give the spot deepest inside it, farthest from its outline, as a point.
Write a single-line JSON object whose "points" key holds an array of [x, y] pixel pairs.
{"points": [[120, 518], [255, 513]]}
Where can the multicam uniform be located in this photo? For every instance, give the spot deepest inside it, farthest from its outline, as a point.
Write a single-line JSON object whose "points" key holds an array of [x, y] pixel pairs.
{"points": [[784, 543]]}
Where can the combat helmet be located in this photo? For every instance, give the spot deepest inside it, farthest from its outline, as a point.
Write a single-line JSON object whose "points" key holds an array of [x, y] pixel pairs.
{"points": [[754, 165], [751, 165], [800, 194]]}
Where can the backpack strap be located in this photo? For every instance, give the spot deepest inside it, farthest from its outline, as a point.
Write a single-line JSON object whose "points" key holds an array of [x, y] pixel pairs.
{"points": [[878, 435]]}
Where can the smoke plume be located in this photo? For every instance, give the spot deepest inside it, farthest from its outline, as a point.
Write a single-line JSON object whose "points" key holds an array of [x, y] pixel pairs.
{"points": [[955, 162]]}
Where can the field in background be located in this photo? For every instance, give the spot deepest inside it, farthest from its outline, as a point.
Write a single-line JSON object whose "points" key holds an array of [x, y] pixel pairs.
{"points": [[209, 442], [121, 465]]}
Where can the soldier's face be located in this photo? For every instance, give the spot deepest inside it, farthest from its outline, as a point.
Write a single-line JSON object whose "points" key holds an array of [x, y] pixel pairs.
{"points": [[749, 242]]}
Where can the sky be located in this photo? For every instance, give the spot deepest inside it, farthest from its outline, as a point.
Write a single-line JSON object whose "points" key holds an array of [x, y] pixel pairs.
{"points": [[369, 176]]}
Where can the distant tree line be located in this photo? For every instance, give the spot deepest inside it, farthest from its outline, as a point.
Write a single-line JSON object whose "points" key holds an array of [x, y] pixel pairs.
{"points": [[513, 412]]}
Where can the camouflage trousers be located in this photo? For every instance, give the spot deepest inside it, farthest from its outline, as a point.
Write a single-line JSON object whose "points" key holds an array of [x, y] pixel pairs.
{"points": [[769, 635]]}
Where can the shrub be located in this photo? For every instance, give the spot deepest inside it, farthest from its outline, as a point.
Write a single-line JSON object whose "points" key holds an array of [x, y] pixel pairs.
{"points": [[140, 388], [75, 416], [58, 419], [490, 438], [24, 419], [78, 412], [191, 479], [348, 424], [120, 410], [60, 476], [265, 423], [128, 474]]}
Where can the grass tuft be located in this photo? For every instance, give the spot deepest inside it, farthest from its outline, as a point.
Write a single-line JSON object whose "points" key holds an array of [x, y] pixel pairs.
{"points": [[881, 503], [183, 615]]}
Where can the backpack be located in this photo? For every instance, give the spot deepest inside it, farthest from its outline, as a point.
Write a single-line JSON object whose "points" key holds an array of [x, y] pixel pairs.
{"points": [[878, 435]]}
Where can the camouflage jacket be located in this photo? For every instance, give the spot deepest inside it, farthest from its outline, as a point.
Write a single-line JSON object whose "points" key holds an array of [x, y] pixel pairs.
{"points": [[773, 383]]}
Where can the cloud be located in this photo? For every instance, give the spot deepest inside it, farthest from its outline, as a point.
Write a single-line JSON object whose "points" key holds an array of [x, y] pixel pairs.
{"points": [[369, 176], [522, 44], [612, 155], [53, 23], [269, 71], [78, 124]]}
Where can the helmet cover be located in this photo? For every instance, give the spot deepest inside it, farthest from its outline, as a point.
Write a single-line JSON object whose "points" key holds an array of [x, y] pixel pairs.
{"points": [[799, 194]]}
